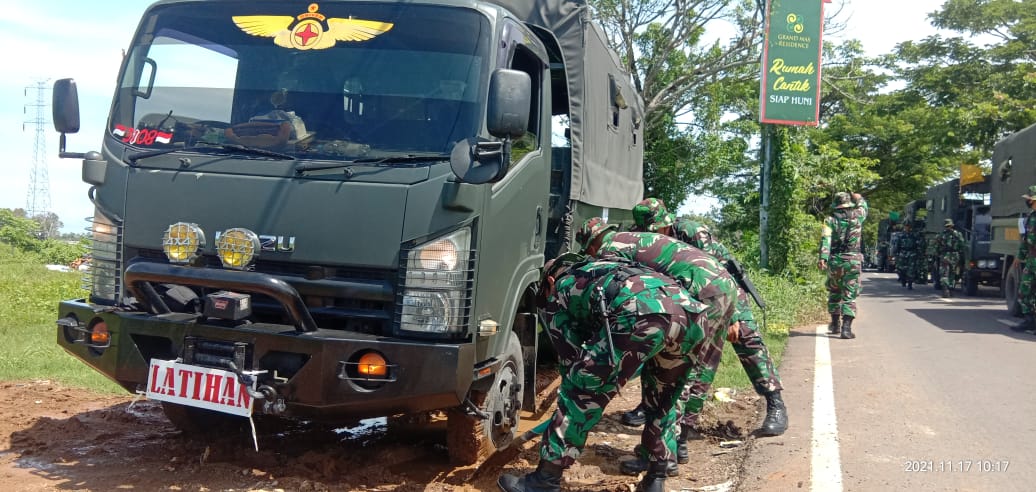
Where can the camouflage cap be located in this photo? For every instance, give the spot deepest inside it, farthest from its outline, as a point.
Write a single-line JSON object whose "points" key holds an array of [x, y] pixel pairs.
{"points": [[651, 215], [592, 228], [842, 200], [947, 223], [1032, 193]]}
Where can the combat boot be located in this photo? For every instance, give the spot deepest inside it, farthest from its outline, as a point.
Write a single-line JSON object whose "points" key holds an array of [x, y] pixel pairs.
{"points": [[847, 327], [635, 417], [776, 421], [637, 466], [687, 433], [546, 478], [654, 481], [835, 325], [1027, 324]]}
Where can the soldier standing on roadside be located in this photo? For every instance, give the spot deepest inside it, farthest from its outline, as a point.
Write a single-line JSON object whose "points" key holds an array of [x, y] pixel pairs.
{"points": [[1027, 257], [950, 247], [704, 278], [608, 319], [907, 259], [651, 215], [840, 256]]}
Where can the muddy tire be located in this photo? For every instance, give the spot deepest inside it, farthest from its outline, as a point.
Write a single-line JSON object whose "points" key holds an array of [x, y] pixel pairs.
{"points": [[471, 440], [970, 284], [199, 422], [1011, 284]]}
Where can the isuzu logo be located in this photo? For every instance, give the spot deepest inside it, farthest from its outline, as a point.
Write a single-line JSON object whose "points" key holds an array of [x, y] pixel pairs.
{"points": [[270, 242]]}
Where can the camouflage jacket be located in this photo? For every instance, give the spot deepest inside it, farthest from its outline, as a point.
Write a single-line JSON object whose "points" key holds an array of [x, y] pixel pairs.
{"points": [[1027, 248], [910, 243], [698, 235], [843, 231], [576, 292], [949, 242], [701, 274]]}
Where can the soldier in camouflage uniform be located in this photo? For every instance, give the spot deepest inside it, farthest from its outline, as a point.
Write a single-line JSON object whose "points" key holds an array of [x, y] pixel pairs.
{"points": [[1027, 257], [704, 278], [922, 252], [651, 215], [950, 247], [607, 319], [840, 256], [907, 257]]}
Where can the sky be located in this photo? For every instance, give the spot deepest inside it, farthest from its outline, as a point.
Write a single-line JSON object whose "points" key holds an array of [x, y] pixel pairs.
{"points": [[46, 40]]}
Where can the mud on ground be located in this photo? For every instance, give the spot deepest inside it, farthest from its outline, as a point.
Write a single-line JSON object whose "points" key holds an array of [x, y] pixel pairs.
{"points": [[58, 438]]}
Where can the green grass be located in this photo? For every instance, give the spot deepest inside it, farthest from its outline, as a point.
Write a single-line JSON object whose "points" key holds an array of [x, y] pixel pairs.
{"points": [[29, 296], [788, 303]]}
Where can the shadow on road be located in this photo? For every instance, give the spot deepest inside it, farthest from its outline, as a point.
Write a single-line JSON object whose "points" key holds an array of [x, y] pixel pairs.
{"points": [[984, 313]]}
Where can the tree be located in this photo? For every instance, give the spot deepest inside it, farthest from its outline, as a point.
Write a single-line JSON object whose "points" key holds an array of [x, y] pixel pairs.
{"points": [[682, 77]]}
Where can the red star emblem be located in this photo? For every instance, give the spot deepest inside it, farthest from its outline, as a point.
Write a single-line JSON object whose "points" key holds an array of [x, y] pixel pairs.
{"points": [[306, 34]]}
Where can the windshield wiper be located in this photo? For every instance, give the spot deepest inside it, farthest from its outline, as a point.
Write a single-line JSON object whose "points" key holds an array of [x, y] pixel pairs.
{"points": [[244, 149], [371, 161], [133, 158]]}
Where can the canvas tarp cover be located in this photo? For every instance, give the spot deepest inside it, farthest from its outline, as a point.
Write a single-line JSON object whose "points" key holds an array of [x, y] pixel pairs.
{"points": [[607, 159], [1014, 170]]}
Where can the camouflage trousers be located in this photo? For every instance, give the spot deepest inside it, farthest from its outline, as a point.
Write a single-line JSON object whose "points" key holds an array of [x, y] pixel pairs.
{"points": [[1026, 289], [948, 275], [843, 283], [754, 357], [721, 313], [656, 345], [907, 265]]}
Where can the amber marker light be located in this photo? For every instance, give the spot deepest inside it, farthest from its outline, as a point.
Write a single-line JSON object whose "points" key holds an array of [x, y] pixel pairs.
{"points": [[372, 365], [99, 334]]}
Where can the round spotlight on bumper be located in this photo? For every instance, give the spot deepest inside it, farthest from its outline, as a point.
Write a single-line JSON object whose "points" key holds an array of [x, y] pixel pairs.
{"points": [[182, 241], [237, 248]]}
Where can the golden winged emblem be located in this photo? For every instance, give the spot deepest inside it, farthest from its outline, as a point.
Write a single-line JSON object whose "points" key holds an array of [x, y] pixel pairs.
{"points": [[306, 31]]}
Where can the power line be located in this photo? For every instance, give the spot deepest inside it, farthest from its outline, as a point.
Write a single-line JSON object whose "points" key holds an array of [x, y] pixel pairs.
{"points": [[38, 199]]}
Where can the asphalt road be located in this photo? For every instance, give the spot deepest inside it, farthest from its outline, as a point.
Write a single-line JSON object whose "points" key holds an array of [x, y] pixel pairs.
{"points": [[933, 394]]}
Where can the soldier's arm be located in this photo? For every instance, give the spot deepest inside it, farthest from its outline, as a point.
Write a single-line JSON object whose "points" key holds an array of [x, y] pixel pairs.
{"points": [[825, 241]]}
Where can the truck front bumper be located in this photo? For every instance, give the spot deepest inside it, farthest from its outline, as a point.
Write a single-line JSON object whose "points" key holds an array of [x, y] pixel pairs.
{"points": [[308, 368]]}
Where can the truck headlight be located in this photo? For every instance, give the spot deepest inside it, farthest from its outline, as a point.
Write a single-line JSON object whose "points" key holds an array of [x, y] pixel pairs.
{"points": [[104, 278], [436, 285]]}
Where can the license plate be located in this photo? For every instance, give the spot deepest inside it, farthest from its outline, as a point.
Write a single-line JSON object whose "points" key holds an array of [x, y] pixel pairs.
{"points": [[199, 387]]}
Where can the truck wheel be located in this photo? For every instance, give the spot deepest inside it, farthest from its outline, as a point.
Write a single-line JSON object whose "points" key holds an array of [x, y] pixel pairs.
{"points": [[471, 439], [200, 422], [1014, 308], [970, 284]]}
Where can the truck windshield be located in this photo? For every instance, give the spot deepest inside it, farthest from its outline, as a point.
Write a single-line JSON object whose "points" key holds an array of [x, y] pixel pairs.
{"points": [[334, 81]]}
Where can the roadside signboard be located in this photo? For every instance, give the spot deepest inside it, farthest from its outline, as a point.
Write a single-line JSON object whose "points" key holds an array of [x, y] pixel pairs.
{"points": [[790, 86]]}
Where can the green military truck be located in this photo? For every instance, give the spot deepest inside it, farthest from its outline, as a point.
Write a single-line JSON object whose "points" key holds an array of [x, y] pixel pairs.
{"points": [[340, 210], [1014, 170], [969, 208]]}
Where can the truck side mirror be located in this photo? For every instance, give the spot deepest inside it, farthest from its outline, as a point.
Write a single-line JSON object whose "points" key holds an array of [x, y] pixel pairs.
{"points": [[510, 94], [65, 106]]}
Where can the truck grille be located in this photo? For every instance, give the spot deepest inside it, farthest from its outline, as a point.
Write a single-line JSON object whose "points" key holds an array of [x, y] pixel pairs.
{"points": [[343, 298]]}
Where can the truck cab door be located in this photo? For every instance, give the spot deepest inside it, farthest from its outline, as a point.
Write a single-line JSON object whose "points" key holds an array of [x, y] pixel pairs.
{"points": [[514, 224]]}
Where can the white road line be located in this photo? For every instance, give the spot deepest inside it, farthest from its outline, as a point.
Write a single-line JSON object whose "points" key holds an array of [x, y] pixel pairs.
{"points": [[826, 469]]}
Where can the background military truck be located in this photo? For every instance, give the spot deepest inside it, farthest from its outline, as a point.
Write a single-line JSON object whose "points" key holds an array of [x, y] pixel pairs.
{"points": [[1014, 170], [968, 207], [340, 210], [886, 228]]}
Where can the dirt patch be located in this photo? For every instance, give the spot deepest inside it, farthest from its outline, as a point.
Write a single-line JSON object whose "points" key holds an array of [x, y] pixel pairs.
{"points": [[58, 438]]}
